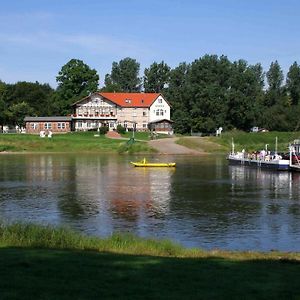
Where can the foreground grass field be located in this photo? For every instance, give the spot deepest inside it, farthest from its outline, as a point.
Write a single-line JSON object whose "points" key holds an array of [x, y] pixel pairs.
{"points": [[71, 142], [46, 263]]}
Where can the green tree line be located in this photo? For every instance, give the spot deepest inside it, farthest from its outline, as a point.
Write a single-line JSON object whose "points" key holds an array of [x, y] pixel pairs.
{"points": [[208, 93]]}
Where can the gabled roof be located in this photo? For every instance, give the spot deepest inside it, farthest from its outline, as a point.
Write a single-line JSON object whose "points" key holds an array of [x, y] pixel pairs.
{"points": [[127, 99], [131, 99]]}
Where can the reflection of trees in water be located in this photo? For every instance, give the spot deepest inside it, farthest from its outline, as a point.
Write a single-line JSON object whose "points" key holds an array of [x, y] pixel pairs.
{"points": [[204, 193], [217, 202], [79, 196]]}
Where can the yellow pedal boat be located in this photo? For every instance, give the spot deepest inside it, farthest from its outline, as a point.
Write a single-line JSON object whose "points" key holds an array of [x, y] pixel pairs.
{"points": [[144, 163]]}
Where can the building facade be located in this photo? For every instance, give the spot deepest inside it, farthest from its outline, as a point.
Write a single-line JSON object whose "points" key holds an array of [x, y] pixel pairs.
{"points": [[134, 111], [35, 125], [131, 110]]}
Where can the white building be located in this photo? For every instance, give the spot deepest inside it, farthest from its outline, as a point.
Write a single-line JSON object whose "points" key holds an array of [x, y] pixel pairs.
{"points": [[126, 109]]}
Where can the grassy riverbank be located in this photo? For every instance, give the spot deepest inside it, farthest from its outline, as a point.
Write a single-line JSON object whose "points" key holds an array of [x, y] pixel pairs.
{"points": [[70, 142], [46, 263], [242, 140]]}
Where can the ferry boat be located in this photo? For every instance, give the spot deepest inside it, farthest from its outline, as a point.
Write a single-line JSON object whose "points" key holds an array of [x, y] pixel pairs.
{"points": [[260, 159], [274, 162], [295, 156]]}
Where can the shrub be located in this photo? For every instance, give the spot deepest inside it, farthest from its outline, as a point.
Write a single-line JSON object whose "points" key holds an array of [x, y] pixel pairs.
{"points": [[103, 129], [121, 129]]}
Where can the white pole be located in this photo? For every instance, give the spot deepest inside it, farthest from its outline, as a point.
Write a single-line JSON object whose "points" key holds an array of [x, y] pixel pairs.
{"points": [[267, 147]]}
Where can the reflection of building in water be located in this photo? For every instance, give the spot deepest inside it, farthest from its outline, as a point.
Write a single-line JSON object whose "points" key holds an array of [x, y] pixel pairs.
{"points": [[42, 168], [136, 193], [93, 186]]}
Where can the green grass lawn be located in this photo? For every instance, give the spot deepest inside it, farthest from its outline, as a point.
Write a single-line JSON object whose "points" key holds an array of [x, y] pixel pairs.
{"points": [[44, 263], [70, 142], [256, 141], [242, 140], [202, 144]]}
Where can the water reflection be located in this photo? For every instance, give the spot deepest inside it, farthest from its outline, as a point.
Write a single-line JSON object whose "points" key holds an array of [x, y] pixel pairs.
{"points": [[202, 203], [94, 193]]}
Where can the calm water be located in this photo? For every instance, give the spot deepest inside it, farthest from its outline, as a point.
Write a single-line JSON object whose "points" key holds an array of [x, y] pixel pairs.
{"points": [[202, 203]]}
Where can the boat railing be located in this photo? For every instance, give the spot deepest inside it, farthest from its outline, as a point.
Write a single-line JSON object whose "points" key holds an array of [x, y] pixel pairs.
{"points": [[255, 156]]}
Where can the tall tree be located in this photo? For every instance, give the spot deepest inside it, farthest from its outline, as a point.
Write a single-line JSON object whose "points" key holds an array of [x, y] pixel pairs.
{"points": [[156, 77], [275, 80], [177, 94], [208, 83], [293, 83], [75, 80], [244, 95], [124, 76]]}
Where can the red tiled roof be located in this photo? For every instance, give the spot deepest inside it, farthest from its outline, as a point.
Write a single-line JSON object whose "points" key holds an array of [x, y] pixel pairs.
{"points": [[131, 99]]}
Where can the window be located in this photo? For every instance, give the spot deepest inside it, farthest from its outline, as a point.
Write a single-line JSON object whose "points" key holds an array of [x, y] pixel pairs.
{"points": [[47, 125], [61, 125], [161, 112], [159, 100], [157, 112], [144, 114], [144, 125], [33, 125], [79, 124]]}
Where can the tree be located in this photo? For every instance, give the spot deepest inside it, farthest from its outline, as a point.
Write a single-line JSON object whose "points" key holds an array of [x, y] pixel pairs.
{"points": [[17, 113], [244, 95], [75, 80], [36, 95], [110, 86], [293, 83], [3, 107], [275, 80], [124, 76], [156, 77], [208, 83], [177, 94]]}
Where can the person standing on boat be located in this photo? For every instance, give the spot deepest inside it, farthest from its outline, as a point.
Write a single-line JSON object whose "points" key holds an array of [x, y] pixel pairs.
{"points": [[243, 151]]}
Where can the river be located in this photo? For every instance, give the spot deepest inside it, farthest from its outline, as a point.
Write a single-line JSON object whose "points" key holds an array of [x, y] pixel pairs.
{"points": [[202, 202]]}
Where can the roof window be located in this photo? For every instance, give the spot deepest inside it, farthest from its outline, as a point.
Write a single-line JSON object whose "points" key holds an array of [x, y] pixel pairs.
{"points": [[128, 100]]}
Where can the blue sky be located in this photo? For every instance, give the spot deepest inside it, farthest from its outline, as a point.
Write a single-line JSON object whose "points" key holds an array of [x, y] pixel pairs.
{"points": [[37, 37]]}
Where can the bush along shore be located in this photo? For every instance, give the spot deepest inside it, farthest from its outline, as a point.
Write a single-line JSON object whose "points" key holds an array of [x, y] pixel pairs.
{"points": [[56, 263]]}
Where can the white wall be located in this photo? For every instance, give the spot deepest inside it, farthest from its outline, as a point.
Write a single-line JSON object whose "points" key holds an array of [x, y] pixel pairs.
{"points": [[163, 108]]}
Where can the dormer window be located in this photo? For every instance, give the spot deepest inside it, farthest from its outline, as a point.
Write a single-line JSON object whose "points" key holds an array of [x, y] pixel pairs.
{"points": [[128, 100], [142, 100]]}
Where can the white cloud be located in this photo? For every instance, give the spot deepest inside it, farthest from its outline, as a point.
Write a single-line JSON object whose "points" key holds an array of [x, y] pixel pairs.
{"points": [[74, 43]]}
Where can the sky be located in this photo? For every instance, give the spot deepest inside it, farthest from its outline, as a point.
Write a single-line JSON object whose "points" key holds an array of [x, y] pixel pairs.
{"points": [[37, 37]]}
